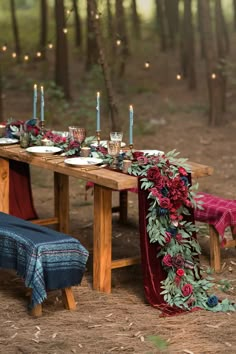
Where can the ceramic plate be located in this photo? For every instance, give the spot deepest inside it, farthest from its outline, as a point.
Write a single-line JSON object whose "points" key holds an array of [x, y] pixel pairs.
{"points": [[104, 143], [83, 161], [8, 141], [152, 152], [43, 150]]}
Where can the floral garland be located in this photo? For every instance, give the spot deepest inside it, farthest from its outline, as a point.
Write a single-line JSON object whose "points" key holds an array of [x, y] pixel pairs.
{"points": [[170, 195]]}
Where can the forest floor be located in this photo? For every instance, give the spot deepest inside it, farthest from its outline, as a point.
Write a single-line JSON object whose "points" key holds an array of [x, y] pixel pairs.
{"points": [[167, 116]]}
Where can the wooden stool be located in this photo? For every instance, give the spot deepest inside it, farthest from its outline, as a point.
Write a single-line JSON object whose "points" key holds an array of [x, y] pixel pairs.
{"points": [[218, 213]]}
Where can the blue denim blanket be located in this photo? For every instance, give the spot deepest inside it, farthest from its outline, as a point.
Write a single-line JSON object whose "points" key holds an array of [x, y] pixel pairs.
{"points": [[44, 258]]}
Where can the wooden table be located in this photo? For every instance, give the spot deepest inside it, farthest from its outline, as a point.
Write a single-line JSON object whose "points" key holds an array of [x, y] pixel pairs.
{"points": [[105, 181]]}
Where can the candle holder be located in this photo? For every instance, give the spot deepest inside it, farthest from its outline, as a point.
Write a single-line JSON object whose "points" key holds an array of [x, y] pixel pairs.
{"points": [[42, 125], [98, 136], [131, 147]]}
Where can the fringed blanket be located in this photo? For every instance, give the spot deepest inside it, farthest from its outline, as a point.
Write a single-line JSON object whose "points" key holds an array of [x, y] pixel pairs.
{"points": [[46, 259]]}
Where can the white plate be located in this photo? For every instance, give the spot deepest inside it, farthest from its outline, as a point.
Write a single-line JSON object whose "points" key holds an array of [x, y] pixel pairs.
{"points": [[152, 152], [103, 143], [8, 141], [43, 150], [83, 161]]}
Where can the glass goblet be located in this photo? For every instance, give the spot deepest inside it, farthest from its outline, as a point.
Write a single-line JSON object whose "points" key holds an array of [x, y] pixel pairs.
{"points": [[113, 149], [78, 134], [116, 136]]}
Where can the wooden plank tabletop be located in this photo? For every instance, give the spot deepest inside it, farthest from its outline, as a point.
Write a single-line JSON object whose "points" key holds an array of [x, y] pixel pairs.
{"points": [[105, 177]]}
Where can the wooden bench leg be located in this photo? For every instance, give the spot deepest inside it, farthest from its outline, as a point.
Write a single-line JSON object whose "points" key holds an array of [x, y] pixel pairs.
{"points": [[68, 299], [37, 310], [214, 249]]}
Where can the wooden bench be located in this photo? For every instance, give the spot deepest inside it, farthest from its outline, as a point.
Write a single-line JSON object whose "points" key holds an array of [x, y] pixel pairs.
{"points": [[44, 258]]}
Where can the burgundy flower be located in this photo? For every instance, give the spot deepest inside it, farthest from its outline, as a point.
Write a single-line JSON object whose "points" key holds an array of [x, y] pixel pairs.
{"points": [[153, 173], [155, 192], [182, 171], [167, 260], [180, 272], [179, 238], [177, 280], [165, 203], [168, 237], [137, 154], [178, 261], [187, 290]]}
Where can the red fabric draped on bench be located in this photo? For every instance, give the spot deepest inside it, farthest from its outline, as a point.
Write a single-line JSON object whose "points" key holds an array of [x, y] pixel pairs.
{"points": [[20, 194]]}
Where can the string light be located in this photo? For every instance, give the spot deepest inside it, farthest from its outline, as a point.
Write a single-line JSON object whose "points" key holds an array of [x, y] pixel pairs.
{"points": [[178, 77], [13, 55], [26, 57], [65, 30], [97, 16], [38, 54], [213, 76], [118, 42], [147, 65], [4, 47], [68, 12], [50, 45]]}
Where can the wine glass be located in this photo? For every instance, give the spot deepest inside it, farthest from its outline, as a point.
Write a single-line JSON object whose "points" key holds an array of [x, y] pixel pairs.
{"points": [[113, 149], [78, 134], [116, 136]]}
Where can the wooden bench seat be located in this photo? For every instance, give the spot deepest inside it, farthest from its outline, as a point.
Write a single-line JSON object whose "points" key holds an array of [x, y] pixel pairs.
{"points": [[44, 258]]}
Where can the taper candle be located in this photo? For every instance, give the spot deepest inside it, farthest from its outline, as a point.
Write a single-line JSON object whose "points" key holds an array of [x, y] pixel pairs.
{"points": [[131, 123], [42, 105], [98, 111], [35, 102]]}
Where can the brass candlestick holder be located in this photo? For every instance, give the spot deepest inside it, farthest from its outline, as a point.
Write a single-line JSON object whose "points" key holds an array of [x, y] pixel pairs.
{"points": [[42, 125], [98, 136], [131, 147]]}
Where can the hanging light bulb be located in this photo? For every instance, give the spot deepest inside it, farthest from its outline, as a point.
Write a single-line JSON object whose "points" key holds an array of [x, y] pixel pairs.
{"points": [[4, 47], [178, 77], [65, 30], [147, 65], [118, 42], [213, 76], [38, 54], [26, 57], [50, 45], [97, 16], [13, 55]]}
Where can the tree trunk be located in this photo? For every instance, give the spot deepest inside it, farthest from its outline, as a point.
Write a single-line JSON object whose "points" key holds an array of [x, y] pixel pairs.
{"points": [[135, 20], [78, 32], [222, 50], [62, 68], [213, 79], [110, 29], [190, 48], [122, 35], [234, 9], [15, 31], [172, 20], [160, 13], [92, 49], [199, 15], [44, 28], [106, 72]]}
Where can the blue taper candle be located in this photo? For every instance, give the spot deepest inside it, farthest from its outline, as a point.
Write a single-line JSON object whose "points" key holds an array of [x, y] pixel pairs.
{"points": [[98, 111], [131, 123], [42, 105], [35, 102]]}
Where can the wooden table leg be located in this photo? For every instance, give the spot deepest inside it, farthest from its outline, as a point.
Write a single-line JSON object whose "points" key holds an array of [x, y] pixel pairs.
{"points": [[102, 239], [4, 185], [68, 299], [61, 201]]}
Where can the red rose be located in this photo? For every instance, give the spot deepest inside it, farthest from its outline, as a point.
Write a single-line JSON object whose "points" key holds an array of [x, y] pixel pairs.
{"points": [[168, 237], [137, 154], [178, 238], [153, 173], [165, 203], [155, 192], [187, 290], [182, 171], [180, 272], [178, 261], [167, 260]]}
